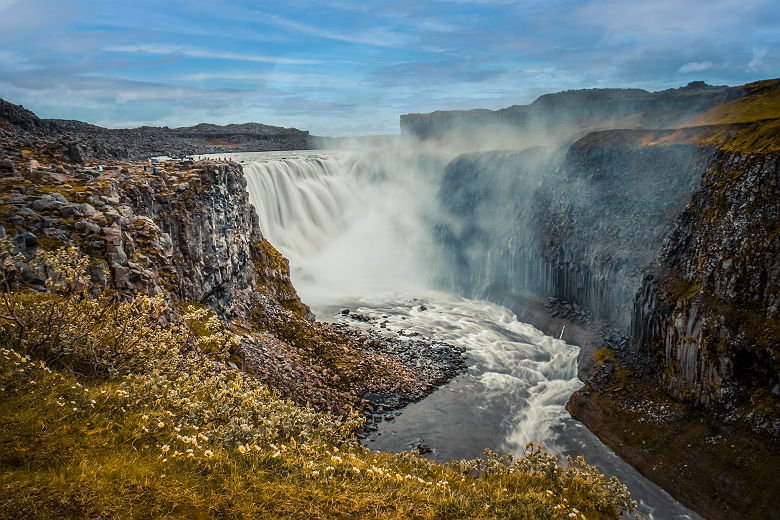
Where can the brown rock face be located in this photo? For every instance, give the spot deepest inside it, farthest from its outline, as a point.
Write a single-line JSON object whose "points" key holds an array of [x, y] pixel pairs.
{"points": [[707, 314]]}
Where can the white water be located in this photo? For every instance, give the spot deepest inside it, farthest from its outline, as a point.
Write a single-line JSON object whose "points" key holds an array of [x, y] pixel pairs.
{"points": [[356, 228]]}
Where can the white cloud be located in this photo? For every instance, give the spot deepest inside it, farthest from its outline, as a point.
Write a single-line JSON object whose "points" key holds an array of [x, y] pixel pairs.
{"points": [[379, 37], [695, 66], [757, 63], [191, 52]]}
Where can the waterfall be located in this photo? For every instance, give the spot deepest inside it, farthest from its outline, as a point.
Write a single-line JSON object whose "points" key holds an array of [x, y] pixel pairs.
{"points": [[360, 230], [300, 201], [351, 224]]}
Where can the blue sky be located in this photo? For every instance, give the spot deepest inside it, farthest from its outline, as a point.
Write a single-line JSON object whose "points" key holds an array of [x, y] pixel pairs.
{"points": [[338, 67]]}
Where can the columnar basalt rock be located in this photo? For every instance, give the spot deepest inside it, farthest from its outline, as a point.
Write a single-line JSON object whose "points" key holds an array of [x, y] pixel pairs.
{"points": [[707, 313], [581, 224]]}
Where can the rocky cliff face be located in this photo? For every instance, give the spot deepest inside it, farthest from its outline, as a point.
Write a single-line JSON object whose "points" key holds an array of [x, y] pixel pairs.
{"points": [[185, 230], [580, 224], [144, 142], [707, 313], [671, 235]]}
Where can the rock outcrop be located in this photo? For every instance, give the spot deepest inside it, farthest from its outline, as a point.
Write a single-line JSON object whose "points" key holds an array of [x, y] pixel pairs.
{"points": [[187, 231], [581, 224]]}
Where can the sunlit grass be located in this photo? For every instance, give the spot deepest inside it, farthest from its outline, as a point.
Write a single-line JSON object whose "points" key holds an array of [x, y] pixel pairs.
{"points": [[170, 431]]}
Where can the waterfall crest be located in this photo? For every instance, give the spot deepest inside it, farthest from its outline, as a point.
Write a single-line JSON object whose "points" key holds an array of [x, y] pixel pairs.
{"points": [[300, 201], [351, 224]]}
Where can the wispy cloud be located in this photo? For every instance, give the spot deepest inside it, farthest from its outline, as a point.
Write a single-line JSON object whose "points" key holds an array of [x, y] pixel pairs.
{"points": [[695, 66], [757, 62], [190, 52], [377, 36], [342, 64]]}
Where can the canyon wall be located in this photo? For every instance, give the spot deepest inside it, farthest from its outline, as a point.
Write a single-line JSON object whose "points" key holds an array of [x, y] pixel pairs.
{"points": [[580, 224], [671, 235], [707, 312]]}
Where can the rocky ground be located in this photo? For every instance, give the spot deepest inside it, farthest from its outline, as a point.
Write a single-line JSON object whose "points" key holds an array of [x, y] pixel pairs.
{"points": [[723, 471], [82, 140]]}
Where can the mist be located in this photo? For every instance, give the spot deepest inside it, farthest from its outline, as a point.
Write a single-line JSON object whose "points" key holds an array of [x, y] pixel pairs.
{"points": [[537, 201], [419, 233]]}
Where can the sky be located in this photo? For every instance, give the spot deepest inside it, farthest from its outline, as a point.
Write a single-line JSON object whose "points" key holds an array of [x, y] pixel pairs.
{"points": [[342, 68]]}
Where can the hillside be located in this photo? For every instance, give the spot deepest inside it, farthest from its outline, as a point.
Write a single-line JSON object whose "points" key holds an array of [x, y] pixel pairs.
{"points": [[86, 140], [564, 117]]}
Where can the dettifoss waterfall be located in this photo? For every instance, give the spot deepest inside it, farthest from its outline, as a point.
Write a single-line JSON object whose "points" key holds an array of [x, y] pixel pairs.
{"points": [[359, 230]]}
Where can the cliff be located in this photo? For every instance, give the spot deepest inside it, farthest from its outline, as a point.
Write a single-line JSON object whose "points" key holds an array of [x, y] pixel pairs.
{"points": [[186, 231], [566, 115], [707, 313], [581, 223], [668, 237], [86, 140]]}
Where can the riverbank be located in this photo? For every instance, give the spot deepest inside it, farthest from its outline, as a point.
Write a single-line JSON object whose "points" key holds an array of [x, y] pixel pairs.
{"points": [[680, 448]]}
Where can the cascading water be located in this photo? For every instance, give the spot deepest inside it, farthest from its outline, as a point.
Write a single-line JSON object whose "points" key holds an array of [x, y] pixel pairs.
{"points": [[358, 230]]}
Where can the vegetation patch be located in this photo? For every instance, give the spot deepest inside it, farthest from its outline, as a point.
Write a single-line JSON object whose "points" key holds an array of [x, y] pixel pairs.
{"points": [[679, 289]]}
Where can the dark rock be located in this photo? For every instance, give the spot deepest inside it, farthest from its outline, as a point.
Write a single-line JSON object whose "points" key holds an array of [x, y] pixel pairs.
{"points": [[25, 242]]}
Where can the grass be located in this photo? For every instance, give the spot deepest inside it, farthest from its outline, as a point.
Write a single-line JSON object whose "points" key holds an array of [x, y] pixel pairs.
{"points": [[762, 102], [170, 431], [91, 450]]}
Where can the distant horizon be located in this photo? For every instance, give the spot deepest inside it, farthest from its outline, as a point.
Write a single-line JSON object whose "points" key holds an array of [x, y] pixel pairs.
{"points": [[341, 68], [357, 136]]}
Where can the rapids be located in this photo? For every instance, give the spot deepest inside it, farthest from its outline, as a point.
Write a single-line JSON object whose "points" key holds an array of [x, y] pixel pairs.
{"points": [[358, 230]]}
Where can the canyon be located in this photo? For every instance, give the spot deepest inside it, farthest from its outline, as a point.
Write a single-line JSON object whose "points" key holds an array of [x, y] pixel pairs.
{"points": [[646, 223]]}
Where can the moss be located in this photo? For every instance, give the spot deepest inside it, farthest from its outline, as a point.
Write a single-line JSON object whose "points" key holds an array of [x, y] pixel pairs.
{"points": [[273, 277], [47, 243], [679, 289], [764, 333], [746, 138], [604, 355], [761, 103]]}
